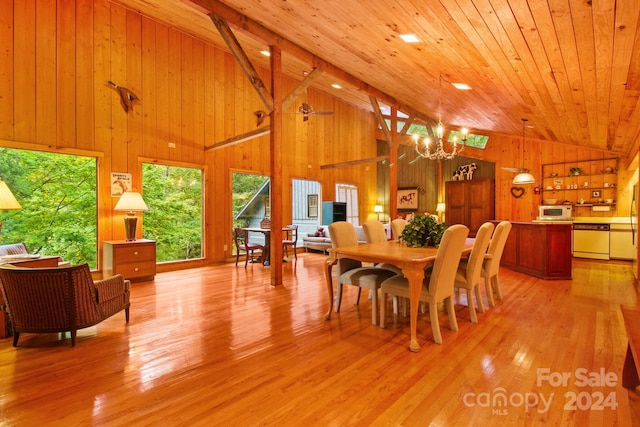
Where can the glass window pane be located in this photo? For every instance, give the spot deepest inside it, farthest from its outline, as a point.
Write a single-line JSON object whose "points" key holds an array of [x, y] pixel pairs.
{"points": [[174, 220]]}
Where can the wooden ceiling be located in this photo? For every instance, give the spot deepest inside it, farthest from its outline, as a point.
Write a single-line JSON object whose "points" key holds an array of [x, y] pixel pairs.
{"points": [[571, 67]]}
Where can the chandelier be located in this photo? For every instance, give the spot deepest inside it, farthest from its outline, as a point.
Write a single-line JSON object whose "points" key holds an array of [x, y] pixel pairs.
{"points": [[434, 150], [427, 149]]}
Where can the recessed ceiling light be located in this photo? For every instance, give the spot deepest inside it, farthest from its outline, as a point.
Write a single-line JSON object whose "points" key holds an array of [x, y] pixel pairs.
{"points": [[265, 52], [461, 86], [336, 86], [409, 38]]}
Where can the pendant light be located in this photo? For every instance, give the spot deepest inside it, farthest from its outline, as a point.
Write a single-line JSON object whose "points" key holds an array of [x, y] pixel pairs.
{"points": [[523, 177]]}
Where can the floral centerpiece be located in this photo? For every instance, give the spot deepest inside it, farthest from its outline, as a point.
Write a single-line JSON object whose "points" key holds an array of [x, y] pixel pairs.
{"points": [[423, 230]]}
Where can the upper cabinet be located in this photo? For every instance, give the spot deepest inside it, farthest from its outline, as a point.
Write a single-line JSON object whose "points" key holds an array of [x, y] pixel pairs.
{"points": [[588, 185]]}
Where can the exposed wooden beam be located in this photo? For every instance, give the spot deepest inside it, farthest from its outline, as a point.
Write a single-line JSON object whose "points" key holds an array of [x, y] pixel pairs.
{"points": [[301, 88], [381, 122], [264, 130], [354, 162], [407, 125], [259, 32], [243, 60]]}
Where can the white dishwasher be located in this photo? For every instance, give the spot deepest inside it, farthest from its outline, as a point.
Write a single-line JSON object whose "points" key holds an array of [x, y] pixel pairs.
{"points": [[591, 240], [621, 244]]}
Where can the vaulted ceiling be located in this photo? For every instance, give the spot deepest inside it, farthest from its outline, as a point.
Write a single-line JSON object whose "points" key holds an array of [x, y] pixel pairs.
{"points": [[571, 67]]}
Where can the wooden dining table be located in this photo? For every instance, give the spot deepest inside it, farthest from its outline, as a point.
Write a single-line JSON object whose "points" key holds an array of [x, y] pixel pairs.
{"points": [[412, 261], [266, 257]]}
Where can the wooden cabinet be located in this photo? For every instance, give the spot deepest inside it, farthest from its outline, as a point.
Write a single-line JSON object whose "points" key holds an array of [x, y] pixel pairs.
{"points": [[539, 249], [333, 211], [588, 185], [133, 259], [470, 202]]}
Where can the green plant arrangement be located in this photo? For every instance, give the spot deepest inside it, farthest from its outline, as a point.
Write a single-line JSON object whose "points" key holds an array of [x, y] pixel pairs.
{"points": [[422, 230], [575, 171]]}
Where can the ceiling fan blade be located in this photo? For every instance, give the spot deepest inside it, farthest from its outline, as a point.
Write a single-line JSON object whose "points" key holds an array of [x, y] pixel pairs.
{"points": [[515, 170], [322, 113]]}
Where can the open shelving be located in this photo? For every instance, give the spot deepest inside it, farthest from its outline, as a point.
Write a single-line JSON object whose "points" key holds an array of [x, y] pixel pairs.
{"points": [[594, 182]]}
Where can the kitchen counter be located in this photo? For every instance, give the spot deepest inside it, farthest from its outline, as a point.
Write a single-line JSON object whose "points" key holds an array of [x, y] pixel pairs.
{"points": [[540, 249]]}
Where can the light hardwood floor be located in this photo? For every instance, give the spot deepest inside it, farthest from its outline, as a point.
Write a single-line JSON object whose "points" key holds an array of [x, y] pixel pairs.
{"points": [[220, 346]]}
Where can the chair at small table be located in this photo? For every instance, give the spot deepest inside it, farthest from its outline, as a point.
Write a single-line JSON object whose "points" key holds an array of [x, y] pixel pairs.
{"points": [[438, 282], [351, 272], [374, 232], [251, 251], [468, 274], [60, 299], [290, 240]]}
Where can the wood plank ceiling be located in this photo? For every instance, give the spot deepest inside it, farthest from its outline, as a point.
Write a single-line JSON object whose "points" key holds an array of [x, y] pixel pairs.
{"points": [[571, 67]]}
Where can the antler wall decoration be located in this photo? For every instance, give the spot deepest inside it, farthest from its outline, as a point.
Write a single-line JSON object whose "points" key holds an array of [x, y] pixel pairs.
{"points": [[126, 96]]}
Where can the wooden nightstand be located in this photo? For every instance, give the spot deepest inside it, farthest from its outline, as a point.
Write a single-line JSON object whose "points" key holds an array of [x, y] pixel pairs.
{"points": [[135, 260]]}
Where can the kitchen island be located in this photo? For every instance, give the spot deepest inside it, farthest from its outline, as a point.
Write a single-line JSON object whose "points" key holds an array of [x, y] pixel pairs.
{"points": [[539, 249]]}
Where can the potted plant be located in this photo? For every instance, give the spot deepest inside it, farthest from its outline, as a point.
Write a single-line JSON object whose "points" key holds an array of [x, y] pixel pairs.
{"points": [[575, 171], [422, 230]]}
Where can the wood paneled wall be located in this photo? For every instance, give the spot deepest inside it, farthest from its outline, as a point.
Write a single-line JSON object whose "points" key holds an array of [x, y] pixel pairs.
{"points": [[56, 58], [507, 151]]}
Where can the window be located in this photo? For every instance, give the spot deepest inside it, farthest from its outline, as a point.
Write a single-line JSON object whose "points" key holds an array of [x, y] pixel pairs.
{"points": [[349, 194], [473, 140], [175, 217], [250, 203], [57, 193]]}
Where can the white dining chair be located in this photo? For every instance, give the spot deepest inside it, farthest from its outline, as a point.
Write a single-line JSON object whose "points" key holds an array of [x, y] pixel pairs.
{"points": [[437, 285], [397, 225], [491, 266], [351, 272], [374, 232], [468, 274]]}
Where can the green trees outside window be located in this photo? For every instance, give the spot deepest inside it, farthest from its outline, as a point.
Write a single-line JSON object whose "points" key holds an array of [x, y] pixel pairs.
{"points": [[59, 207], [175, 217]]}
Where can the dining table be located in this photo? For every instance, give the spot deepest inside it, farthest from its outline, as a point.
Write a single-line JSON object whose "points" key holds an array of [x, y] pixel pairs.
{"points": [[266, 257], [412, 261]]}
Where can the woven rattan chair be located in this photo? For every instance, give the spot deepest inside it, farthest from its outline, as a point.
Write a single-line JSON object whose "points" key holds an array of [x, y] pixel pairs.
{"points": [[49, 300]]}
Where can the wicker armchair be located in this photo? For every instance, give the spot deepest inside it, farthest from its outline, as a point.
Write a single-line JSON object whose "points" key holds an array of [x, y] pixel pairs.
{"points": [[44, 300]]}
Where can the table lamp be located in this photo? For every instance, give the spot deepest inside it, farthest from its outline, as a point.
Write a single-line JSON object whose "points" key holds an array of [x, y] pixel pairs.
{"points": [[7, 200], [131, 202], [378, 209], [440, 208]]}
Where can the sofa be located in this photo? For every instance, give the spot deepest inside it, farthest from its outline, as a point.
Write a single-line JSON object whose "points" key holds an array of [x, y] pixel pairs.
{"points": [[21, 249], [321, 241]]}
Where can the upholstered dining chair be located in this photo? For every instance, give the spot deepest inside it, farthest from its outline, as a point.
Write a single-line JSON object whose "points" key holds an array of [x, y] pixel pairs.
{"points": [[397, 225], [351, 272], [251, 251], [468, 274], [290, 240], [374, 232], [491, 266], [60, 299], [437, 285]]}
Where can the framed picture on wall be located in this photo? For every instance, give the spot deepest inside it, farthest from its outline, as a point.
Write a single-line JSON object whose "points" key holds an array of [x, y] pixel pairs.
{"points": [[120, 182], [312, 205], [407, 199]]}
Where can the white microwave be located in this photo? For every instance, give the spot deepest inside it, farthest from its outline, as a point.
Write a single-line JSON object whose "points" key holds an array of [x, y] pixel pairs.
{"points": [[555, 213]]}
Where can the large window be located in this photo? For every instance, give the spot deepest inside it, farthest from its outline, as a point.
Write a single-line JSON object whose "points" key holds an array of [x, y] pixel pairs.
{"points": [[250, 202], [57, 193], [175, 217]]}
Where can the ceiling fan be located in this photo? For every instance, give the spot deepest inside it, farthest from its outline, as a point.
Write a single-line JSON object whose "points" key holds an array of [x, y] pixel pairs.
{"points": [[307, 109]]}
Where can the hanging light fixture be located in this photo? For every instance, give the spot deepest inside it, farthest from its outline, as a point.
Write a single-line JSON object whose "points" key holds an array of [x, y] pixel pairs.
{"points": [[523, 176], [434, 150]]}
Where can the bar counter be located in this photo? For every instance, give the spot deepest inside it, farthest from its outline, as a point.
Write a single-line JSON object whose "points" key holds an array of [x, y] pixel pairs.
{"points": [[539, 249]]}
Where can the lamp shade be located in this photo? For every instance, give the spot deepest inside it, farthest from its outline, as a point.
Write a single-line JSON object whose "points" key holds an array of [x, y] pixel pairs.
{"points": [[131, 201], [7, 199], [524, 178], [440, 207], [378, 209]]}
